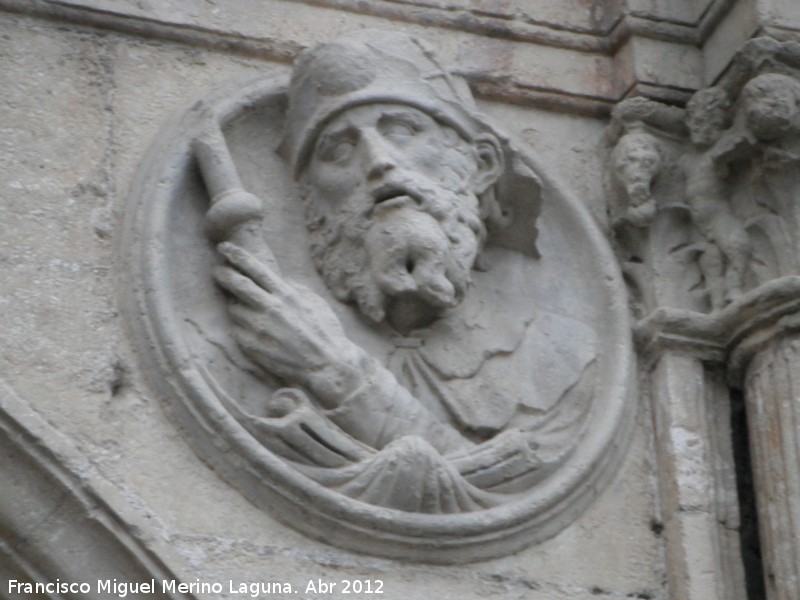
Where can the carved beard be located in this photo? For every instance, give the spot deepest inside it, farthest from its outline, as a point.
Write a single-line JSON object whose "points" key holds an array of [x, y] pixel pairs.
{"points": [[419, 245]]}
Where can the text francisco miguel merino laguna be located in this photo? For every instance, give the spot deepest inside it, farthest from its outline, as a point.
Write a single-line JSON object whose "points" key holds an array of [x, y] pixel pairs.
{"points": [[122, 588]]}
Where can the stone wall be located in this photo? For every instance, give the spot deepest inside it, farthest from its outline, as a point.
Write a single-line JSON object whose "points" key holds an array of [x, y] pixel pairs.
{"points": [[105, 485]]}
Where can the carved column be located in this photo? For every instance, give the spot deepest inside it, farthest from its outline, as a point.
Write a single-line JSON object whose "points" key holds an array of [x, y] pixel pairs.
{"points": [[699, 506], [719, 294], [771, 382], [706, 222], [761, 156], [774, 418], [660, 251], [759, 337]]}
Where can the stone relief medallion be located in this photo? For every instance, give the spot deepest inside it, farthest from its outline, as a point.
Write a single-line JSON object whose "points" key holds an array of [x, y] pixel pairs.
{"points": [[374, 314]]}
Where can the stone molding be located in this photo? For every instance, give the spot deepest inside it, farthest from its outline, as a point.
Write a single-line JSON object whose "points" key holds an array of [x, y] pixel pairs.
{"points": [[620, 52], [729, 336], [61, 520]]}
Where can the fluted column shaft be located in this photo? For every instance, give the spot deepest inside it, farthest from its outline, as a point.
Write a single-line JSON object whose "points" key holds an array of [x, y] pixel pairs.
{"points": [[772, 393]]}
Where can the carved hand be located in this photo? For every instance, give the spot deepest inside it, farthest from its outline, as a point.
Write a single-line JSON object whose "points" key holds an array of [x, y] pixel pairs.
{"points": [[643, 214], [289, 330]]}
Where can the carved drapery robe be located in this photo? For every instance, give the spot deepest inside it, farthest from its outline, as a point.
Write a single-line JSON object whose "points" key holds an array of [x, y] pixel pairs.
{"points": [[483, 403]]}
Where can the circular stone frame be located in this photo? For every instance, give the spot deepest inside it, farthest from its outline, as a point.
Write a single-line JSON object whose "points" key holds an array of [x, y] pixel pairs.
{"points": [[165, 249]]}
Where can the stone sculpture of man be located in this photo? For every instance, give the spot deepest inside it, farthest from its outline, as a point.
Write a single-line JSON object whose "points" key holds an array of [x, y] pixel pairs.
{"points": [[724, 264], [636, 161], [764, 135], [420, 215]]}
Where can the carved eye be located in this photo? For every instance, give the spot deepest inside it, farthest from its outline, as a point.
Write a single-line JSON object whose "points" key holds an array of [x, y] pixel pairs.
{"points": [[336, 150], [399, 129], [342, 151]]}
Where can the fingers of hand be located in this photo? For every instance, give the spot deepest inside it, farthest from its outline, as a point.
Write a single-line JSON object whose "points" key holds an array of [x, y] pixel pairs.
{"points": [[256, 270], [266, 319], [273, 353], [241, 287], [274, 327]]}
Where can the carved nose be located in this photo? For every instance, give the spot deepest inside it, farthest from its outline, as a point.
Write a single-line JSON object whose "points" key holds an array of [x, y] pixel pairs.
{"points": [[379, 167], [378, 157]]}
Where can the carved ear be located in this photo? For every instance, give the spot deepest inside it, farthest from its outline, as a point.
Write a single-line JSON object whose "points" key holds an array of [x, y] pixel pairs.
{"points": [[491, 163]]}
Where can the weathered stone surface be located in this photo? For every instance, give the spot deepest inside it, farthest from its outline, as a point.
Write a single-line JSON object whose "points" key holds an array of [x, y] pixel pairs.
{"points": [[67, 352], [419, 403], [89, 84], [737, 182], [63, 523], [611, 49]]}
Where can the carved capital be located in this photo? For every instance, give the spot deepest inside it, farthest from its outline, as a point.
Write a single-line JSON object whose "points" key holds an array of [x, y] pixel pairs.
{"points": [[716, 273], [730, 336]]}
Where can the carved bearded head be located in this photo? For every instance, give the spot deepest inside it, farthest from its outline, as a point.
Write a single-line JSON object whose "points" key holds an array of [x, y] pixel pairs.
{"points": [[397, 173], [636, 161]]}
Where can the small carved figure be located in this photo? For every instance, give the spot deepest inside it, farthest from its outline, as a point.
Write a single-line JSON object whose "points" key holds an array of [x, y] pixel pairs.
{"points": [[403, 184], [772, 106], [769, 125], [723, 263], [765, 146], [636, 161]]}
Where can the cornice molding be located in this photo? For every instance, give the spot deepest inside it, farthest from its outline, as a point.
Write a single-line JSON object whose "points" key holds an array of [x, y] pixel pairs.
{"points": [[602, 71]]}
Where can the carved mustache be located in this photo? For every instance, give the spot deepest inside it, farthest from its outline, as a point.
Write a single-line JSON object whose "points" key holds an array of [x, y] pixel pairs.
{"points": [[392, 194], [388, 191], [409, 190]]}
